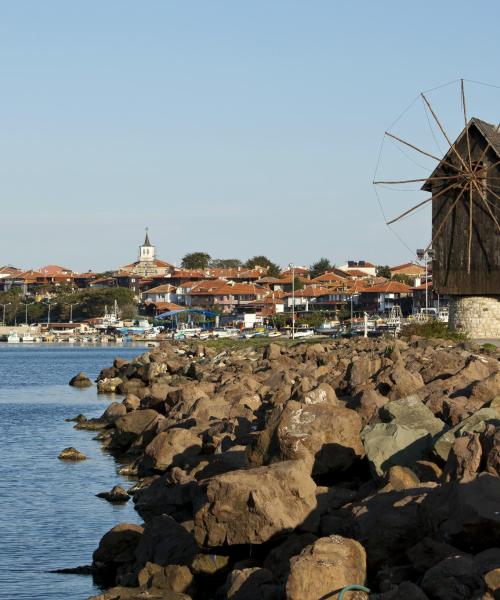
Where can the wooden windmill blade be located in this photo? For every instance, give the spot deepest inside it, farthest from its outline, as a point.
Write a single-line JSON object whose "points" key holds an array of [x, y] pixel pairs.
{"points": [[465, 205]]}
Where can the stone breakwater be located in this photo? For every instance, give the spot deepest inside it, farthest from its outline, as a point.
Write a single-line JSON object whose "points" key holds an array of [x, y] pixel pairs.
{"points": [[289, 472]]}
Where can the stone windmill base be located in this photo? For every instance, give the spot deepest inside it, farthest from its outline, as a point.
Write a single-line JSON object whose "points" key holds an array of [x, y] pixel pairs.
{"points": [[478, 316]]}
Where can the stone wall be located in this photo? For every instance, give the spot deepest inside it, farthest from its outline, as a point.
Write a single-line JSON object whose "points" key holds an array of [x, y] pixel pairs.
{"points": [[479, 316]]}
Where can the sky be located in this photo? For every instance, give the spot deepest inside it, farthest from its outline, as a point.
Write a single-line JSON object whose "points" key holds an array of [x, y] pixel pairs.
{"points": [[230, 127]]}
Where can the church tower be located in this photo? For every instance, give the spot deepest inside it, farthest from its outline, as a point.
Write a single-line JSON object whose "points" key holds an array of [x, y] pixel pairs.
{"points": [[147, 251]]}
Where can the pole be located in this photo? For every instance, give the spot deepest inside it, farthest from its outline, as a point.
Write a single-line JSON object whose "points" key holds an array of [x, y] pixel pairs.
{"points": [[4, 306], [293, 302], [426, 284]]}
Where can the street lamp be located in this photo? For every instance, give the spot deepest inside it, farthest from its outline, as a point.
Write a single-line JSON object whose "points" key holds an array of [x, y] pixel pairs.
{"points": [[425, 255], [71, 310], [26, 304], [292, 268], [4, 305], [48, 314]]}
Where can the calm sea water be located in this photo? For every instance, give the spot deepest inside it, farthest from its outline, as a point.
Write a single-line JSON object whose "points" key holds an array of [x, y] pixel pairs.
{"points": [[49, 515]]}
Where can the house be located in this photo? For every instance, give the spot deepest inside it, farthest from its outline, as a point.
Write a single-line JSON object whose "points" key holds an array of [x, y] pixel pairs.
{"points": [[434, 299], [227, 296], [53, 270], [160, 293], [409, 269], [329, 277], [360, 265], [304, 299], [381, 297]]}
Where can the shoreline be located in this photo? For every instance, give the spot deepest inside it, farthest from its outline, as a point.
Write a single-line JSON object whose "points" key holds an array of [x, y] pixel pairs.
{"points": [[257, 463]]}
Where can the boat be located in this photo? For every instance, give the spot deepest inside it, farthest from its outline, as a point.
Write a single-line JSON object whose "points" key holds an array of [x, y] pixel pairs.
{"points": [[28, 338], [13, 338], [70, 339], [328, 328], [274, 333], [225, 332]]}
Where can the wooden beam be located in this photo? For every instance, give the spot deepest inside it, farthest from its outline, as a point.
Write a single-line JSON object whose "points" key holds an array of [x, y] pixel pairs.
{"points": [[452, 146], [445, 218], [440, 160], [416, 180]]}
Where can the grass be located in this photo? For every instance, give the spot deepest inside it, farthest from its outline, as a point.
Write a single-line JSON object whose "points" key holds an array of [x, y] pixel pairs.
{"points": [[433, 329]]}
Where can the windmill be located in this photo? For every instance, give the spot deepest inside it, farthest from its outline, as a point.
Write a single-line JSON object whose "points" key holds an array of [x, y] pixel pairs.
{"points": [[464, 192]]}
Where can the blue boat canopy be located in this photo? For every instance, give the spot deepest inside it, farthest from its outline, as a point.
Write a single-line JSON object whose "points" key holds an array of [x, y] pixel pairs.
{"points": [[180, 311]]}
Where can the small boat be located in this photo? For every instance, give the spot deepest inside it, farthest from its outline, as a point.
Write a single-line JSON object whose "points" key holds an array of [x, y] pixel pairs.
{"points": [[303, 333], [71, 339], [13, 338], [274, 334], [28, 338], [328, 328]]}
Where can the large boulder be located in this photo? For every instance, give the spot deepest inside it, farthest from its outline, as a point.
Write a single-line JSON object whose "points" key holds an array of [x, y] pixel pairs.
{"points": [[389, 444], [169, 448], [325, 567], [117, 547], [251, 583], [330, 435], [476, 423], [80, 380], [386, 523], [412, 412], [108, 385], [133, 425], [165, 542], [465, 513], [363, 369], [252, 506]]}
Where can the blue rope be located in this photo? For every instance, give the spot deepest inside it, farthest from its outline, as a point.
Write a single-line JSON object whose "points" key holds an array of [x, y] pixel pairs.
{"points": [[348, 588]]}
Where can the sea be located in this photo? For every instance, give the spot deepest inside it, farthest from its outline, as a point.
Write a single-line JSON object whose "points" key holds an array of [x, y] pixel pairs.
{"points": [[50, 517]]}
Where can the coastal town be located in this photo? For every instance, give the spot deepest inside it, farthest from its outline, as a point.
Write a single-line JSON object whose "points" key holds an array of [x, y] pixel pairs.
{"points": [[226, 297]]}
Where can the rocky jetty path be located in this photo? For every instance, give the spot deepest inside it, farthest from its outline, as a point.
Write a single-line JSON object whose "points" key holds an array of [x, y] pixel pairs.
{"points": [[288, 472]]}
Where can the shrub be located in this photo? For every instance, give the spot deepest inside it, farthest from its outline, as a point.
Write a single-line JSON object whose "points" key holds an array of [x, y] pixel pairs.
{"points": [[432, 329]]}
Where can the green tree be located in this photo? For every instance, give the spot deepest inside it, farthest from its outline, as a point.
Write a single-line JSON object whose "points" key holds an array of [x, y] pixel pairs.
{"points": [[404, 279], [225, 263], [13, 299], [344, 313], [273, 270], [383, 271], [319, 267], [195, 260], [298, 283]]}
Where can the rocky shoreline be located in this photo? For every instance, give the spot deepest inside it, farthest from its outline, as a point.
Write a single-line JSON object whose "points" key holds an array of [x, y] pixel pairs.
{"points": [[292, 471]]}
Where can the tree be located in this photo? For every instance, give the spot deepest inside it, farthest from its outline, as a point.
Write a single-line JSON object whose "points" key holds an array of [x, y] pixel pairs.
{"points": [[319, 267], [383, 271], [225, 263], [298, 283], [273, 270], [404, 279], [196, 260]]}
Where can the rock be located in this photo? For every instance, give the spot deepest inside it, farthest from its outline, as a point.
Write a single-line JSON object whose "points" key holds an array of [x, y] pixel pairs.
{"points": [[116, 495], [250, 507], [363, 369], [135, 424], [251, 584], [209, 564], [412, 412], [399, 381], [464, 458], [272, 352], [490, 443], [401, 478], [131, 402], [116, 547], [80, 381], [428, 552], [168, 494], [406, 590], [454, 578], [325, 567], [109, 385], [465, 514], [71, 454], [475, 423], [165, 542], [113, 412], [169, 448], [128, 593], [278, 560], [174, 578], [492, 583], [368, 404], [389, 444], [386, 524], [330, 435], [427, 470]]}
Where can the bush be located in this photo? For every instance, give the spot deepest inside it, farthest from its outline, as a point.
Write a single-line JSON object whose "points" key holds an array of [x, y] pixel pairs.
{"points": [[432, 329]]}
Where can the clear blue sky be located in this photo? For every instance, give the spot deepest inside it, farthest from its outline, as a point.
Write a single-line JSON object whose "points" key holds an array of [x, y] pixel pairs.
{"points": [[237, 128]]}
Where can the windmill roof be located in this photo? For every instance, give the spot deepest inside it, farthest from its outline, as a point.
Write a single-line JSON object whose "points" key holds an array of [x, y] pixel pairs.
{"points": [[490, 132]]}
